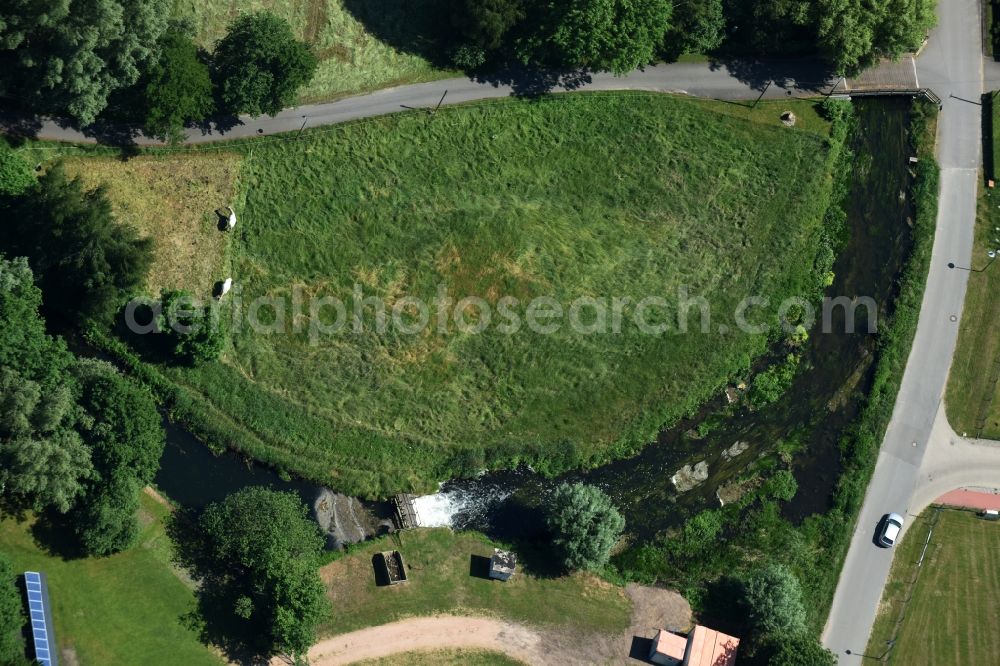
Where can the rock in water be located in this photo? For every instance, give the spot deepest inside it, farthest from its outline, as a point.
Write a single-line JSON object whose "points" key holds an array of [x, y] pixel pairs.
{"points": [[343, 519], [735, 450], [688, 477]]}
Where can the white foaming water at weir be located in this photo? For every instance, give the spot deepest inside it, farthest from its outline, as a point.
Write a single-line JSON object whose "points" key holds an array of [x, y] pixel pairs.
{"points": [[457, 507], [436, 510]]}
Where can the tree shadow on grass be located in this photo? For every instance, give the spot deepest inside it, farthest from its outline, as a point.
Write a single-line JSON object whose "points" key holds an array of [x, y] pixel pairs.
{"points": [[418, 27], [723, 608], [53, 533], [522, 525], [216, 596]]}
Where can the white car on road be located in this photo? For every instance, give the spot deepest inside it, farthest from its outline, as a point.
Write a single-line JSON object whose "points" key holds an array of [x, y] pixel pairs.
{"points": [[889, 529]]}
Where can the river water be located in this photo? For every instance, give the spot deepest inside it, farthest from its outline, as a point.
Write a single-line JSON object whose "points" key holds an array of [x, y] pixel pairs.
{"points": [[806, 424]]}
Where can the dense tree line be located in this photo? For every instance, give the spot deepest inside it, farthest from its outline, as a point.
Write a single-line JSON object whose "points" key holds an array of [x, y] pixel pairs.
{"points": [[73, 57], [76, 436], [620, 35]]}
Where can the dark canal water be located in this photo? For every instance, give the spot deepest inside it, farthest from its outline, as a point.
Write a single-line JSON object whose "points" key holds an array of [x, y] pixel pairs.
{"points": [[805, 425]]}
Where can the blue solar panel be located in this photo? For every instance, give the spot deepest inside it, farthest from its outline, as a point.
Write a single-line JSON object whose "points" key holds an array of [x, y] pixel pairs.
{"points": [[41, 618]]}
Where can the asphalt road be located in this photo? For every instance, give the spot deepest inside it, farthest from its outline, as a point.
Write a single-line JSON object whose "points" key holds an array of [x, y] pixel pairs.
{"points": [[736, 81], [951, 64]]}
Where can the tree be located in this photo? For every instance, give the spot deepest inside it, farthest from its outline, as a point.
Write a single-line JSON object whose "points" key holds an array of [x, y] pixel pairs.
{"points": [[194, 335], [773, 602], [799, 650], [179, 88], [104, 519], [67, 56], [43, 461], [619, 35], [768, 27], [24, 344], [699, 25], [15, 172], [904, 26], [85, 261], [485, 23], [12, 618], [125, 434], [257, 554], [585, 525], [259, 65], [854, 34]]}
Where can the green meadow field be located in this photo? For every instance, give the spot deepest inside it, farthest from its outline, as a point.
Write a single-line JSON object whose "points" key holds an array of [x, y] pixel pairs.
{"points": [[576, 196]]}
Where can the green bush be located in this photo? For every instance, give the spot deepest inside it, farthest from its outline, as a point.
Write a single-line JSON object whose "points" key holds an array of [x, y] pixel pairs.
{"points": [[771, 384], [257, 555], [16, 176], [584, 524], [772, 600], [179, 89], [194, 333]]}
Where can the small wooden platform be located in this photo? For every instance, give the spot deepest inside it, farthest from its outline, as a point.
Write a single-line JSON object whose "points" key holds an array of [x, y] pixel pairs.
{"points": [[406, 515]]}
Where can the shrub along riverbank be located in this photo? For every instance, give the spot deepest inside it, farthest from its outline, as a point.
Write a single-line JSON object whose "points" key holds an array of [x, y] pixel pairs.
{"points": [[717, 547]]}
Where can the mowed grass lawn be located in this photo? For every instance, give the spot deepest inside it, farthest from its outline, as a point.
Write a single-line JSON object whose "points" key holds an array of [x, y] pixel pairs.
{"points": [[948, 620], [125, 609], [973, 398], [361, 46], [592, 196], [439, 566]]}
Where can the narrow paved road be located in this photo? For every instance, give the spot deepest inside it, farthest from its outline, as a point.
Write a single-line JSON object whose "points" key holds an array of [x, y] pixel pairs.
{"points": [[744, 80], [953, 61]]}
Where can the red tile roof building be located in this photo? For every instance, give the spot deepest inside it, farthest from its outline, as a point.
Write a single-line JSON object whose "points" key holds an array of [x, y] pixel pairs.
{"points": [[702, 647]]}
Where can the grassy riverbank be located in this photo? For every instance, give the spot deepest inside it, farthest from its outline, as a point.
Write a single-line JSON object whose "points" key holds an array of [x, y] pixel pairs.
{"points": [[711, 548], [447, 576], [590, 196], [973, 397]]}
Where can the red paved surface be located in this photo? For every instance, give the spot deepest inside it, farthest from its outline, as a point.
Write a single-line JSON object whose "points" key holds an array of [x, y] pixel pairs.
{"points": [[973, 499]]}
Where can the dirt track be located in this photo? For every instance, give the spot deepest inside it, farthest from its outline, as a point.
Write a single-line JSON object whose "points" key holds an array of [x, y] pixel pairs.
{"points": [[428, 633], [653, 608]]}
